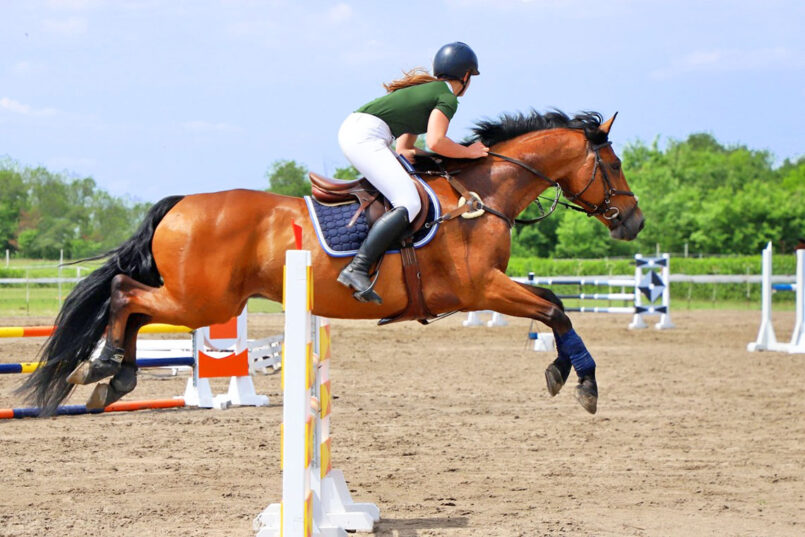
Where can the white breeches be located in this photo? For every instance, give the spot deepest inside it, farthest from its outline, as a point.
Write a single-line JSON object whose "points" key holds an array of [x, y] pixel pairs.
{"points": [[365, 141]]}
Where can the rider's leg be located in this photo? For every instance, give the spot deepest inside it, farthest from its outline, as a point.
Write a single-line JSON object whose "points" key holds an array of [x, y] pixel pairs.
{"points": [[384, 232], [365, 141]]}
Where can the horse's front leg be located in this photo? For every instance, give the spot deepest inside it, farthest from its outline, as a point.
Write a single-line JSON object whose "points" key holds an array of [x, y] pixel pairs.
{"points": [[510, 298], [557, 372]]}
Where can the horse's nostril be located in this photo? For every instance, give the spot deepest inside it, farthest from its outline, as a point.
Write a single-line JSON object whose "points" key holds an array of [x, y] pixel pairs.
{"points": [[642, 223]]}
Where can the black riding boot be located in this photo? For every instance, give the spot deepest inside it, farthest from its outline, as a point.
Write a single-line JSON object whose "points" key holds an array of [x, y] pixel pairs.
{"points": [[386, 230]]}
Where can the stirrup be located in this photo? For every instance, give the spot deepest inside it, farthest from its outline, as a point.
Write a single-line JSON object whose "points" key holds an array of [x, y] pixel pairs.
{"points": [[368, 294]]}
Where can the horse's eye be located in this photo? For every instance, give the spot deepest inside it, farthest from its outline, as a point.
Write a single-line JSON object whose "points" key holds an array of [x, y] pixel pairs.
{"points": [[616, 166]]}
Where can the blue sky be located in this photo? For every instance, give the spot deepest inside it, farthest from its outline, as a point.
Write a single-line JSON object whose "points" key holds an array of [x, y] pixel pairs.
{"points": [[153, 98]]}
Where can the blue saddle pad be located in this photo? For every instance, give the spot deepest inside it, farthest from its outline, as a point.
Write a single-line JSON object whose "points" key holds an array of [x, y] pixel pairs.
{"points": [[330, 223]]}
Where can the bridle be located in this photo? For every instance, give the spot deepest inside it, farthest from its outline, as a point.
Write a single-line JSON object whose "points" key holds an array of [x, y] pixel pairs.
{"points": [[605, 209], [474, 203]]}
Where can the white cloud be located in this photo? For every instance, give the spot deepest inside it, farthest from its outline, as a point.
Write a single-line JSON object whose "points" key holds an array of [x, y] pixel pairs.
{"points": [[340, 13], [202, 127], [67, 27], [731, 60], [19, 108]]}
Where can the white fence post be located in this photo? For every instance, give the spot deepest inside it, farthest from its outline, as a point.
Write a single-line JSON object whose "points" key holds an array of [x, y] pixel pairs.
{"points": [[61, 262], [766, 340], [637, 321], [798, 337]]}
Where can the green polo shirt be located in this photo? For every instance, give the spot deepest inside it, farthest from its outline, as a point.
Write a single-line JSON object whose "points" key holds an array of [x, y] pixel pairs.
{"points": [[407, 110]]}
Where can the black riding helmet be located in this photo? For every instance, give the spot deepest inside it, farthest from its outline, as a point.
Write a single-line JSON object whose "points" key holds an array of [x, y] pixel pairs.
{"points": [[454, 60]]}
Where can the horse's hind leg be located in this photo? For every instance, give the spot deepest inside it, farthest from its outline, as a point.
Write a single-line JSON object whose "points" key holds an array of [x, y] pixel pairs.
{"points": [[125, 380], [132, 305], [112, 355], [510, 298]]}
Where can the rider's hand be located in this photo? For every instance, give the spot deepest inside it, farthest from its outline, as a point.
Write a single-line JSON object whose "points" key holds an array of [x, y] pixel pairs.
{"points": [[477, 150], [409, 154]]}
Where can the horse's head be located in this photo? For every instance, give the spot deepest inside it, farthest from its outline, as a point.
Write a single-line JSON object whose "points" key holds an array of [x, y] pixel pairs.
{"points": [[595, 182], [574, 154]]}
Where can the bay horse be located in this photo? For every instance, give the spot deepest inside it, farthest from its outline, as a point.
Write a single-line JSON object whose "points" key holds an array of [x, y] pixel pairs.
{"points": [[197, 259]]}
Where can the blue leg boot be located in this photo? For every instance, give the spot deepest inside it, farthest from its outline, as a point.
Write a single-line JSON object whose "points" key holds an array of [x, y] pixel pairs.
{"points": [[587, 390]]}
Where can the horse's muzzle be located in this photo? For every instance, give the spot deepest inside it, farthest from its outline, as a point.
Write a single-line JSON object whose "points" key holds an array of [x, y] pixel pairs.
{"points": [[627, 228]]}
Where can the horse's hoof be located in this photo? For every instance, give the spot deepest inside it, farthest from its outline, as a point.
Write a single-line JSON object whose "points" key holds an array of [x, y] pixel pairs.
{"points": [[93, 370], [122, 383], [553, 377], [587, 393], [79, 374], [556, 374], [102, 396]]}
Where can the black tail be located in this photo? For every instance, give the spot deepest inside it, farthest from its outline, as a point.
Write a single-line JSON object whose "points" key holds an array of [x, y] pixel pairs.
{"points": [[85, 313]]}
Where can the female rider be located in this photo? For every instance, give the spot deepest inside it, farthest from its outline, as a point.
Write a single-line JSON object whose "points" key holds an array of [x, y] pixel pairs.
{"points": [[418, 103]]}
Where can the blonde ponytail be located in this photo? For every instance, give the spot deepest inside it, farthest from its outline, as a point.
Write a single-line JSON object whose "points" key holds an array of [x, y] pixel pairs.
{"points": [[414, 77]]}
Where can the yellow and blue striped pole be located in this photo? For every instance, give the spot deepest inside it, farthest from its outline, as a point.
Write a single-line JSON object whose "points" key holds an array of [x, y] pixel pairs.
{"points": [[45, 331]]}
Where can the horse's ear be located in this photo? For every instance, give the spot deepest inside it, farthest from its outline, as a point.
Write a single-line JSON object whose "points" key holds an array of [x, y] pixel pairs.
{"points": [[606, 125]]}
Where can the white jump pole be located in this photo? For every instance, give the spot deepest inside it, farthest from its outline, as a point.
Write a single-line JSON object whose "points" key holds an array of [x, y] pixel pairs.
{"points": [[766, 340], [473, 319], [297, 496], [797, 344], [315, 499]]}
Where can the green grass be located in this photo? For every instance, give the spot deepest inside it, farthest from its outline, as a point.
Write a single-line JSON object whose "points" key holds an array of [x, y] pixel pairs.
{"points": [[43, 300], [262, 305]]}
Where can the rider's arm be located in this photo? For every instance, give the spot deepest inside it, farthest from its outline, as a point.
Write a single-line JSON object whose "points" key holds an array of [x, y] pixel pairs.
{"points": [[406, 147], [437, 139]]}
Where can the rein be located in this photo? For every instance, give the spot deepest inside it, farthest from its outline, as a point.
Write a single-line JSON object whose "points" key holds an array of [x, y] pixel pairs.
{"points": [[474, 204], [551, 182]]}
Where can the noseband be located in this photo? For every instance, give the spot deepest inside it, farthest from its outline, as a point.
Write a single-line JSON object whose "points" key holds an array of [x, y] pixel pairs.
{"points": [[605, 208]]}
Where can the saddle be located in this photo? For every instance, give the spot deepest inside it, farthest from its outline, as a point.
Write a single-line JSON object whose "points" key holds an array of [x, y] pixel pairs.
{"points": [[374, 204], [370, 201]]}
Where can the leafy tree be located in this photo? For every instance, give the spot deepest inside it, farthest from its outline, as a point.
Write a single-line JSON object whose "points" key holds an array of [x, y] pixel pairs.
{"points": [[718, 199], [288, 178], [42, 213], [348, 173], [537, 239], [13, 199]]}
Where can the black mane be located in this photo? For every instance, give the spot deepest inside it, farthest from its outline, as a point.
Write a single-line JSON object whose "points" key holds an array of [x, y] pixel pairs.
{"points": [[508, 126]]}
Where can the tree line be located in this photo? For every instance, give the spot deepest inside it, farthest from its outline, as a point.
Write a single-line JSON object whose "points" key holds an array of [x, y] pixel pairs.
{"points": [[696, 192], [42, 213]]}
